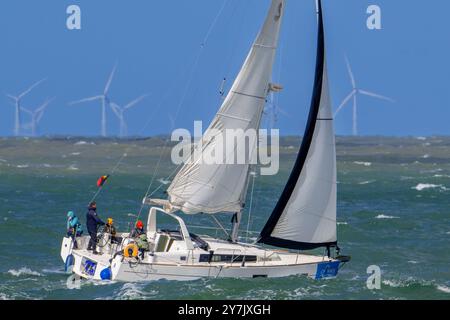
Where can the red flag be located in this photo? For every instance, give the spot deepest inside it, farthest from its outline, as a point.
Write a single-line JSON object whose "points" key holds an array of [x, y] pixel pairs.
{"points": [[101, 181]]}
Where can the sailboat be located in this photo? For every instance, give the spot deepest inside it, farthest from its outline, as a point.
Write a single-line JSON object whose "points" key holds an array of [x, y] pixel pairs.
{"points": [[303, 219]]}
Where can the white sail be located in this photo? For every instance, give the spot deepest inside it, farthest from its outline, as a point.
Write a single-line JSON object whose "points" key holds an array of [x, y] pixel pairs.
{"points": [[310, 215], [221, 187], [305, 215]]}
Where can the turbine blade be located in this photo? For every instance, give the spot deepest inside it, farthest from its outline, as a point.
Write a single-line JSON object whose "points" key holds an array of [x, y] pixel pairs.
{"points": [[375, 95], [31, 88], [40, 115], [116, 109], [135, 101], [110, 79], [344, 102], [12, 97], [26, 111], [86, 100], [350, 72], [282, 112], [44, 105]]}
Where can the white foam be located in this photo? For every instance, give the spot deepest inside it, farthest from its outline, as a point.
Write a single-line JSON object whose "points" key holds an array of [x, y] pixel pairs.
{"points": [[83, 143], [443, 289], [72, 167], [424, 186], [367, 182], [413, 262], [382, 216], [366, 164], [342, 223], [55, 271], [24, 271], [75, 153], [4, 297], [164, 181], [3, 160], [130, 291], [426, 156], [22, 166]]}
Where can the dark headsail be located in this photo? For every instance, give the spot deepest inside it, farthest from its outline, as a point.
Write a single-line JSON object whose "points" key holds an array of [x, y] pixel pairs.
{"points": [[320, 119]]}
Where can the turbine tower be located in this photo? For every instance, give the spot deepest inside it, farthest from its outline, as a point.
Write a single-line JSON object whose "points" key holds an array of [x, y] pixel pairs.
{"points": [[36, 116], [17, 105], [120, 113], [104, 98], [353, 95], [272, 111]]}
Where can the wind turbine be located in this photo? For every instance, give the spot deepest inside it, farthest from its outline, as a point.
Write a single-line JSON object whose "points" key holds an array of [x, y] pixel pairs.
{"points": [[273, 110], [104, 98], [120, 113], [18, 100], [36, 115], [353, 94]]}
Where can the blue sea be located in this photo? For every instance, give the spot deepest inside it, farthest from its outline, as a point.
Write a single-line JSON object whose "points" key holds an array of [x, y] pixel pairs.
{"points": [[393, 212]]}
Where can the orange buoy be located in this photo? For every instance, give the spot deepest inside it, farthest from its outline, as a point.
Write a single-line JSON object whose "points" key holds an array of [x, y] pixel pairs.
{"points": [[131, 251]]}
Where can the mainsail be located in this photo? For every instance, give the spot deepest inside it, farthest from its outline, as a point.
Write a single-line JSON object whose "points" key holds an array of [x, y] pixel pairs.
{"points": [[201, 187], [305, 215]]}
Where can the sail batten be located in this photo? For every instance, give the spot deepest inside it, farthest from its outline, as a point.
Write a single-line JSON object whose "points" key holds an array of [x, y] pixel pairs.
{"points": [[212, 188], [305, 215]]}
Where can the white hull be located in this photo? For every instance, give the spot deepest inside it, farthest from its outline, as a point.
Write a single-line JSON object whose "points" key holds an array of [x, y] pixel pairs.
{"points": [[164, 265]]}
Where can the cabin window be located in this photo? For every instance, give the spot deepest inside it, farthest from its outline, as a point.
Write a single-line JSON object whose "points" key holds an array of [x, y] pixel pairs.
{"points": [[227, 258]]}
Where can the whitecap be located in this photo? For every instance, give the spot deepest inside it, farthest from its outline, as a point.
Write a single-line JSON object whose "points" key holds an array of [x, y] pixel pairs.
{"points": [[426, 156], [83, 143], [75, 153], [367, 182], [130, 291], [413, 262], [164, 181], [366, 164], [443, 289], [424, 186], [382, 216], [24, 271], [342, 223], [22, 166], [72, 167], [54, 271], [3, 160]]}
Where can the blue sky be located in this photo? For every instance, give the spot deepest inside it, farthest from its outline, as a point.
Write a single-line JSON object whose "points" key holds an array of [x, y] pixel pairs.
{"points": [[156, 42]]}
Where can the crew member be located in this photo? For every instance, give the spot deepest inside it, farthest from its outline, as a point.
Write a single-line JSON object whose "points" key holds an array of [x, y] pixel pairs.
{"points": [[93, 221]]}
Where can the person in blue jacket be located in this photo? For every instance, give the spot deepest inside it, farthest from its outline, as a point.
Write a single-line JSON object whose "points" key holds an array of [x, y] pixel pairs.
{"points": [[92, 222], [74, 228]]}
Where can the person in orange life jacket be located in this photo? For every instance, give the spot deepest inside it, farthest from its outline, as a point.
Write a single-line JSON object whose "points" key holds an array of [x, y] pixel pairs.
{"points": [[92, 222]]}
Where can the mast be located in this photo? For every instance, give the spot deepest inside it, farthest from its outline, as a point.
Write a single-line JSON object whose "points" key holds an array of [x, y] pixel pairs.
{"points": [[305, 215]]}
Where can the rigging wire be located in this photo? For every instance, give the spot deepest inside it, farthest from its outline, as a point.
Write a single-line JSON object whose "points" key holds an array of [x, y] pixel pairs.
{"points": [[184, 96], [182, 100]]}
